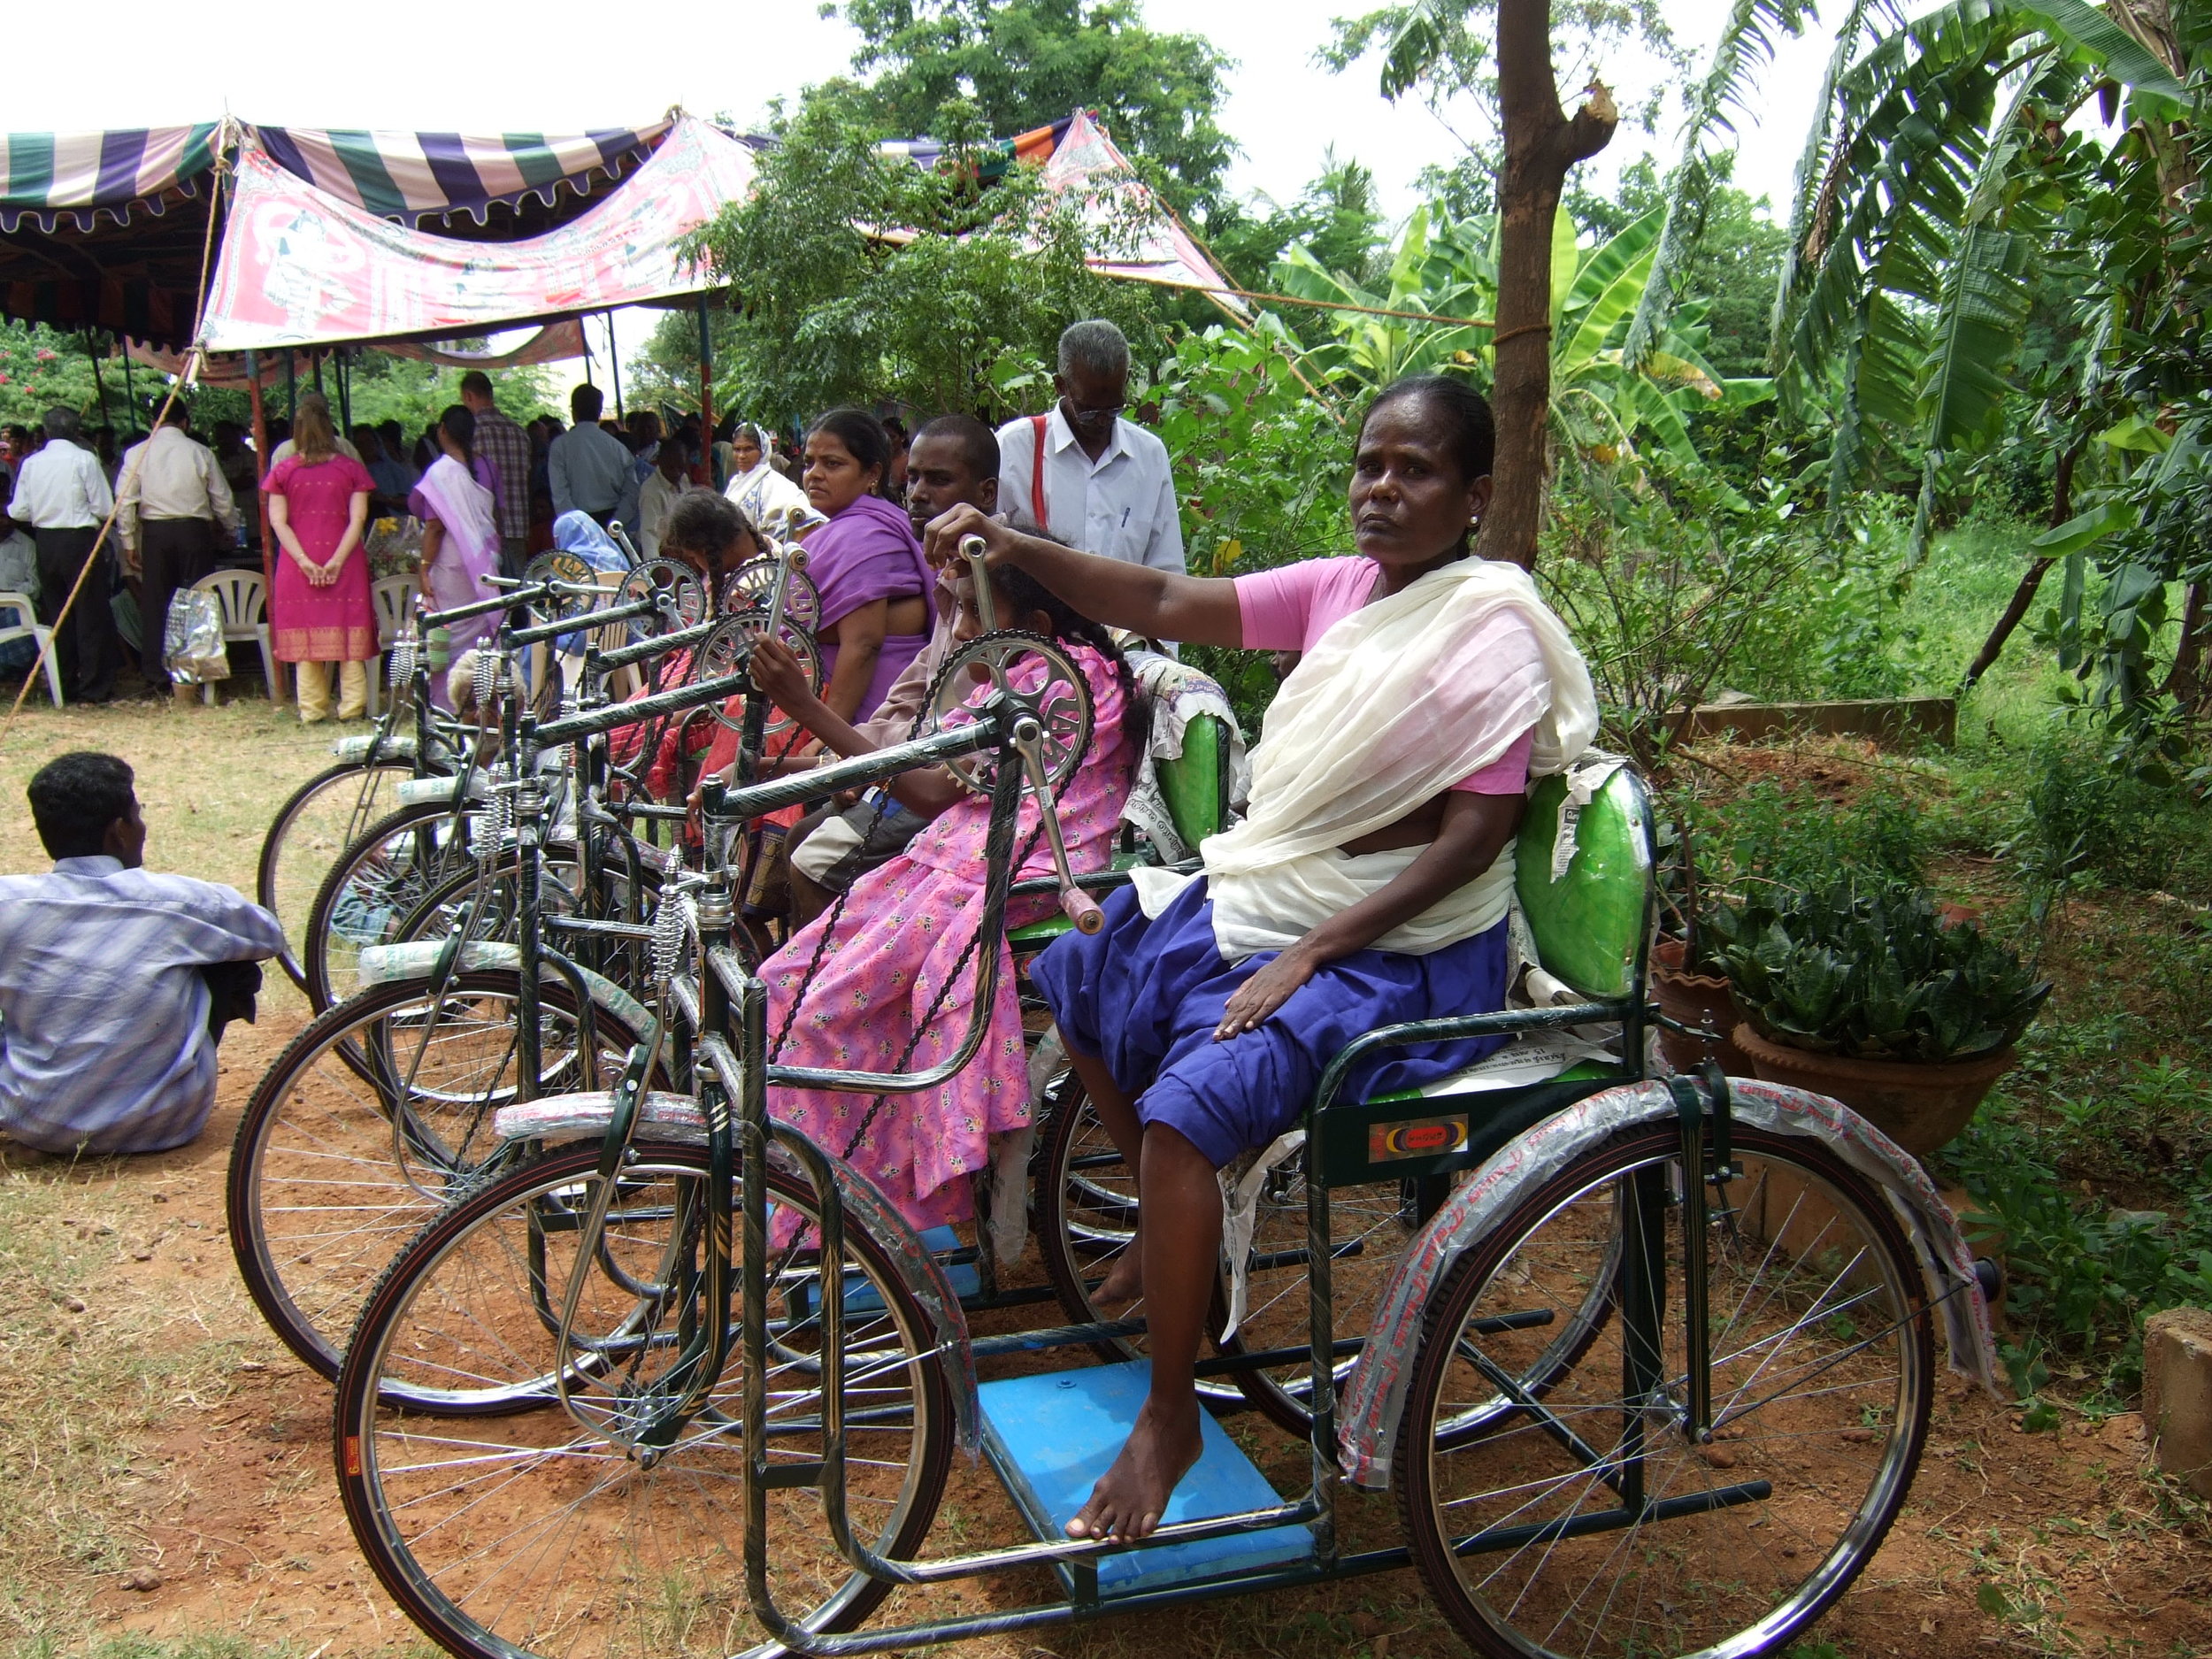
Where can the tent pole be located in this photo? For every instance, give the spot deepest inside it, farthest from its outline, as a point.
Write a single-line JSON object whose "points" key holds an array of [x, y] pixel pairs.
{"points": [[703, 473], [614, 370], [106, 420], [130, 387], [260, 496], [345, 395], [315, 368], [291, 387]]}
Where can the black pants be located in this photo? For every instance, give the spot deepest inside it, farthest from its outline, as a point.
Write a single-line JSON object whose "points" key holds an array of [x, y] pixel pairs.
{"points": [[173, 553], [231, 989], [88, 647]]}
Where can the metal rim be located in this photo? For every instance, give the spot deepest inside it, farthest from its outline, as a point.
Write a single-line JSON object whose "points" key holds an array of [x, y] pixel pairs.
{"points": [[1038, 678]]}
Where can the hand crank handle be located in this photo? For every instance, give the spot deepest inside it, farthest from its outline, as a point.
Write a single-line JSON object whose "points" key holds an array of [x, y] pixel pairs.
{"points": [[1077, 905], [973, 551]]}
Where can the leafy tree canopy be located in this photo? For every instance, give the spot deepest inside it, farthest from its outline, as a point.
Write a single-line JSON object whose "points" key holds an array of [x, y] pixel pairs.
{"points": [[1022, 64], [1731, 269], [971, 292], [1336, 216]]}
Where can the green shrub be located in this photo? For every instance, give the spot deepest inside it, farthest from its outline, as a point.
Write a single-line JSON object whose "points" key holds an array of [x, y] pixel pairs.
{"points": [[1870, 970]]}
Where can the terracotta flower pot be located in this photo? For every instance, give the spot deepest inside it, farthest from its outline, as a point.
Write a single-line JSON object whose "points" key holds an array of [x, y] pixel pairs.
{"points": [[1695, 999], [1920, 1105]]}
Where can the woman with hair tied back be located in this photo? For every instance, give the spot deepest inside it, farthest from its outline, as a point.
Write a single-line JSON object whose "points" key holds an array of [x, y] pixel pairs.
{"points": [[320, 611], [877, 609], [460, 532], [1368, 886]]}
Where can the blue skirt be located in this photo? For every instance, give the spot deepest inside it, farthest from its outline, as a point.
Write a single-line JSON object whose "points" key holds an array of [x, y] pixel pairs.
{"points": [[1145, 995]]}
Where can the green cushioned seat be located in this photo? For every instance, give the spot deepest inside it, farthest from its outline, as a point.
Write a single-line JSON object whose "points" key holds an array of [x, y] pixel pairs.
{"points": [[1195, 786], [1587, 923]]}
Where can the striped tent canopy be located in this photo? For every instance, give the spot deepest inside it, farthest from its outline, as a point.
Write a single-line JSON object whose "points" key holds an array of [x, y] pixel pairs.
{"points": [[418, 177], [105, 229], [48, 179]]}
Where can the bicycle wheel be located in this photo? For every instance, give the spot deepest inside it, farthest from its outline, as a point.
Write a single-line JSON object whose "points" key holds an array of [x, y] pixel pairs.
{"points": [[311, 832], [1589, 1524], [366, 1123], [548, 1531], [376, 881], [1086, 1217], [626, 961]]}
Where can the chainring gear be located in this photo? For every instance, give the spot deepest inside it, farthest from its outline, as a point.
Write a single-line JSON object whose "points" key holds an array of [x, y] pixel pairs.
{"points": [[729, 647], [567, 568], [752, 585], [1060, 700], [684, 595]]}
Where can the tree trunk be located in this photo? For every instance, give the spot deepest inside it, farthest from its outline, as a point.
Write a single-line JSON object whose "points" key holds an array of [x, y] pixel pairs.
{"points": [[1540, 145], [2024, 595], [2186, 682]]}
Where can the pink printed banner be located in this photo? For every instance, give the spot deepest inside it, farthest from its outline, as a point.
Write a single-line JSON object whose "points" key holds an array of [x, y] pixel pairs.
{"points": [[299, 266]]}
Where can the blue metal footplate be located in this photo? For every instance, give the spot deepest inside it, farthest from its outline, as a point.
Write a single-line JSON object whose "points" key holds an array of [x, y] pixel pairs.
{"points": [[1052, 1435], [942, 1242]]}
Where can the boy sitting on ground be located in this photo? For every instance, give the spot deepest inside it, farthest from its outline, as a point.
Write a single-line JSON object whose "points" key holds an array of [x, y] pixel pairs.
{"points": [[115, 984]]}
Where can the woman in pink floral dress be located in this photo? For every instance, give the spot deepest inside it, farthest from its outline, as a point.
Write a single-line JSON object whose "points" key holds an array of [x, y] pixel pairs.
{"points": [[904, 932]]}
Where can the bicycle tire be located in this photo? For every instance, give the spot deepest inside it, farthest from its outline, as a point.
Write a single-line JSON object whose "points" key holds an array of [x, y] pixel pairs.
{"points": [[649, 1564], [321, 1103], [274, 889], [344, 880], [1765, 1525]]}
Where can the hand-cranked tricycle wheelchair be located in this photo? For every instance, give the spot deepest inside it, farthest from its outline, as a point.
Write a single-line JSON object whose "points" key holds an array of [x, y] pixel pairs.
{"points": [[1646, 1361]]}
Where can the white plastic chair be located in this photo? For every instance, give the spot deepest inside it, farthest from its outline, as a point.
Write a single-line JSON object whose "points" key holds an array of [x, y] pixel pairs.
{"points": [[394, 598], [28, 626], [244, 598]]}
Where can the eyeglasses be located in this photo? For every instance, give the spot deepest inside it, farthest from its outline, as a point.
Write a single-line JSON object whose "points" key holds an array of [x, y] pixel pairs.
{"points": [[1084, 415]]}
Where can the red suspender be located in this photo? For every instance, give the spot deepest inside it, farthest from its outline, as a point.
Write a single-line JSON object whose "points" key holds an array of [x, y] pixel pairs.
{"points": [[1037, 473]]}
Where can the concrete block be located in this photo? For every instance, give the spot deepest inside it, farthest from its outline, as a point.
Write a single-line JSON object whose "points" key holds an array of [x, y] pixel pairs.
{"points": [[2177, 1393]]}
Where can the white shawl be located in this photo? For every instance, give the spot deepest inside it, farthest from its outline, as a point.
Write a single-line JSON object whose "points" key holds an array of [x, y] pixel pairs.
{"points": [[1395, 703]]}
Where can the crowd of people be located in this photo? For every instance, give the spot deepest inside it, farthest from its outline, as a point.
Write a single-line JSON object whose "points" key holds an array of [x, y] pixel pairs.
{"points": [[1367, 884]]}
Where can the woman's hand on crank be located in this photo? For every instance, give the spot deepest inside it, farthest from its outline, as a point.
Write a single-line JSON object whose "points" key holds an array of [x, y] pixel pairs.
{"points": [[942, 541], [1251, 1003], [779, 673]]}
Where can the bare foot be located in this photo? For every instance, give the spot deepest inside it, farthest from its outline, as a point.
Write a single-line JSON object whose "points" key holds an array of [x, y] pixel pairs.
{"points": [[1125, 1278], [1132, 1496]]}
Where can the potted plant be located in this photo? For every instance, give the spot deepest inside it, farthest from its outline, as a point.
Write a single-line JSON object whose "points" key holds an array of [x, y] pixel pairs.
{"points": [[1862, 991], [1688, 982]]}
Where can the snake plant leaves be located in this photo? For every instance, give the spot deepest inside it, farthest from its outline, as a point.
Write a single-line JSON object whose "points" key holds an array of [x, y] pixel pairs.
{"points": [[1873, 971]]}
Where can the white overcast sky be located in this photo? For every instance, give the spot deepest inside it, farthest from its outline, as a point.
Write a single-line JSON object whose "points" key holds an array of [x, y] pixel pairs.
{"points": [[562, 66]]}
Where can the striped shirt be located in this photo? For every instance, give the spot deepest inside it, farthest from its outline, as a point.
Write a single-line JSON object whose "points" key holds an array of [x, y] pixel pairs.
{"points": [[103, 1038]]}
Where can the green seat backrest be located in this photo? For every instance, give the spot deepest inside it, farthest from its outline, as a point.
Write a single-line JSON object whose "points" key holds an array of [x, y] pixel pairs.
{"points": [[1588, 924], [1195, 781]]}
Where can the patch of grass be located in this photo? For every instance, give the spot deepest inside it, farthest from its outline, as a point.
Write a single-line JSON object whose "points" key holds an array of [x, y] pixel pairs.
{"points": [[208, 779], [87, 1372], [211, 1645]]}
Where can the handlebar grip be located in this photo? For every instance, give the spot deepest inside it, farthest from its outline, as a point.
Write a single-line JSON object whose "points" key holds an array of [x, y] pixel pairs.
{"points": [[1081, 909]]}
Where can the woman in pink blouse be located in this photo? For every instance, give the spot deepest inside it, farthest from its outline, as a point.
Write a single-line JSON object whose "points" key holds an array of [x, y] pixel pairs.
{"points": [[320, 612]]}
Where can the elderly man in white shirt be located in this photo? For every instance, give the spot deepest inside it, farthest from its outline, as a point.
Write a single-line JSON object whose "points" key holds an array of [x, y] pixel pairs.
{"points": [[664, 486], [172, 502], [1084, 474], [64, 496]]}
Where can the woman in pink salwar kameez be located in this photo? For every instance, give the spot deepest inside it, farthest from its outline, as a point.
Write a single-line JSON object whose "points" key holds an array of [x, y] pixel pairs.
{"points": [[320, 612], [875, 998]]}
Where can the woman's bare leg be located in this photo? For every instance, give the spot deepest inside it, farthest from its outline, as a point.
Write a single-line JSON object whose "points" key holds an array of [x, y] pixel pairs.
{"points": [[1181, 1243], [1125, 1275]]}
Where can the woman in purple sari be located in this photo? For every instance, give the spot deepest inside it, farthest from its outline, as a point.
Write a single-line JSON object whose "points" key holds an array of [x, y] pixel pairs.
{"points": [[865, 562], [460, 533]]}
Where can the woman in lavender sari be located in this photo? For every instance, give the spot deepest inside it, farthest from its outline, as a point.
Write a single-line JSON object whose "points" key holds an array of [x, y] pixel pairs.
{"points": [[866, 564], [460, 534]]}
